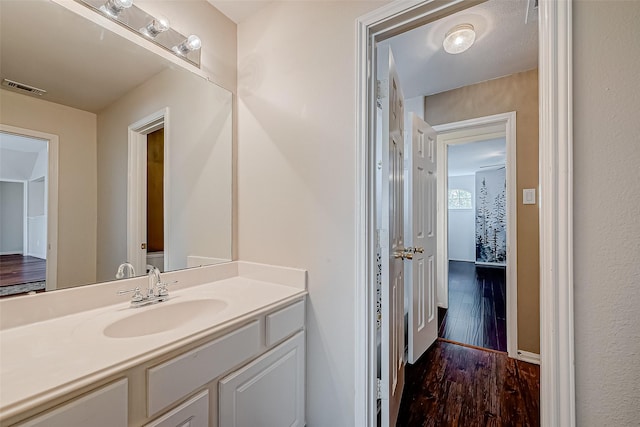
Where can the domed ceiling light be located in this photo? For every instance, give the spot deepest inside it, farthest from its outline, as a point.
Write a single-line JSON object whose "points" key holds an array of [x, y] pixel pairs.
{"points": [[459, 39]]}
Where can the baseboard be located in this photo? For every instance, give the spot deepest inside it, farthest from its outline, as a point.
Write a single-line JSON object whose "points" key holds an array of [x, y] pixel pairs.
{"points": [[10, 253], [527, 356]]}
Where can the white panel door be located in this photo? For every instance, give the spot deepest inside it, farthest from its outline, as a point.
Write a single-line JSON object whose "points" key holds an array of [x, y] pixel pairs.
{"points": [[420, 232], [392, 241]]}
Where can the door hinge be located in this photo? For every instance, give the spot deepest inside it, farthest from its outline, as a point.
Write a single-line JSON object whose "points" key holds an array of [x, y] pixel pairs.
{"points": [[378, 388]]}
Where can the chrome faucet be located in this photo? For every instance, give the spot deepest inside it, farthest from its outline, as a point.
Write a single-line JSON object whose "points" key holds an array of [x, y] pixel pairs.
{"points": [[156, 290], [130, 273], [154, 280]]}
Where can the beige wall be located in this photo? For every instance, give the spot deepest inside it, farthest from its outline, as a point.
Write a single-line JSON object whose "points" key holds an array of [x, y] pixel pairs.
{"points": [[606, 201], [296, 80], [77, 182], [519, 93], [198, 197]]}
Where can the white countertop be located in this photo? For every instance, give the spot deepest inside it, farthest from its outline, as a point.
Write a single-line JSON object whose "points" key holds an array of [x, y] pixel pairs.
{"points": [[44, 360]]}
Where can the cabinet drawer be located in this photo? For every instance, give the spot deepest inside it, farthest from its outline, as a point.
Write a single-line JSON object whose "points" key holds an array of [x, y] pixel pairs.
{"points": [[105, 407], [176, 378], [284, 322], [192, 413]]}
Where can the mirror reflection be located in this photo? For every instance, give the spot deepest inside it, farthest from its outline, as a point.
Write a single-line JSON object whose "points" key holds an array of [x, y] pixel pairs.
{"points": [[124, 161]]}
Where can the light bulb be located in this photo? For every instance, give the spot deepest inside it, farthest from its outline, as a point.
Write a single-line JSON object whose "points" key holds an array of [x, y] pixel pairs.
{"points": [[192, 43], [113, 8]]}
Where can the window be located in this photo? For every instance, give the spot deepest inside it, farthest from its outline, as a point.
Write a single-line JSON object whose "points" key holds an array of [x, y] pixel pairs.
{"points": [[460, 199]]}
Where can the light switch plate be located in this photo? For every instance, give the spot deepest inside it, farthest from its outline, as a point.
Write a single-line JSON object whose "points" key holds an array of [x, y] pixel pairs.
{"points": [[529, 196]]}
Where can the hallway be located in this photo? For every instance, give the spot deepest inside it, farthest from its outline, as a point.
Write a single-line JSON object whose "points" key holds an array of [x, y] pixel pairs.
{"points": [[453, 385], [477, 306]]}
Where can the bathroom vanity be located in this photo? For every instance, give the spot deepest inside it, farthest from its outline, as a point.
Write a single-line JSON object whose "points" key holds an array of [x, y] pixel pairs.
{"points": [[226, 349]]}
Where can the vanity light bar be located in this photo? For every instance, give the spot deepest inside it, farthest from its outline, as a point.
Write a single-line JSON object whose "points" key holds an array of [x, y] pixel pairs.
{"points": [[156, 29]]}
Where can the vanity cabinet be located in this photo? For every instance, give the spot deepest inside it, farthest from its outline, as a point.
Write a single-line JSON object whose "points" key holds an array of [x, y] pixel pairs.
{"points": [[268, 392], [249, 374], [252, 376], [104, 407]]}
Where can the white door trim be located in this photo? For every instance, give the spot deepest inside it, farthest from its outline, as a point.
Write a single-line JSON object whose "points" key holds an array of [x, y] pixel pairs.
{"points": [[557, 383], [495, 126], [51, 208], [136, 178]]}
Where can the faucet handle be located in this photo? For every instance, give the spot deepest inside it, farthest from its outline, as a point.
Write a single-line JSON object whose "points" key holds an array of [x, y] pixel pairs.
{"points": [[162, 288], [137, 295]]}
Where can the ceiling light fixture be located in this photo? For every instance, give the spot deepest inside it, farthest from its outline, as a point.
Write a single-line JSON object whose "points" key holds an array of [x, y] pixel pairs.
{"points": [[156, 26], [190, 44], [459, 39], [113, 8]]}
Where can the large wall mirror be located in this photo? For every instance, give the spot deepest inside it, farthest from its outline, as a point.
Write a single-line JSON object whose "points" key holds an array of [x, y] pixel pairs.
{"points": [[127, 157]]}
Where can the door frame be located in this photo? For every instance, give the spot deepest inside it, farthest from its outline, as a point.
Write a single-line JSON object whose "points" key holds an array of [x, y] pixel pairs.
{"points": [[136, 177], [465, 132], [557, 381], [51, 196]]}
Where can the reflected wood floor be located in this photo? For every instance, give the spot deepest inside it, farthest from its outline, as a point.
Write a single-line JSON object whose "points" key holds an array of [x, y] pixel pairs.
{"points": [[15, 269], [477, 306], [454, 385]]}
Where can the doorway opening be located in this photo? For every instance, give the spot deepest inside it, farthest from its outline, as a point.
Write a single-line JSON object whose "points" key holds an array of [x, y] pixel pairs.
{"points": [[556, 341], [147, 193], [477, 238], [28, 211]]}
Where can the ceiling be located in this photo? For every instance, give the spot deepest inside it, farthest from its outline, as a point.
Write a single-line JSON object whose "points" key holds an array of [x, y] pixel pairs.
{"points": [[467, 159], [237, 10], [77, 62], [505, 44], [13, 142]]}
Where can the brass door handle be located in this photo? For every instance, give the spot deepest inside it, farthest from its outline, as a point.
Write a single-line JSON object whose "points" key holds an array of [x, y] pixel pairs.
{"points": [[419, 249], [403, 254]]}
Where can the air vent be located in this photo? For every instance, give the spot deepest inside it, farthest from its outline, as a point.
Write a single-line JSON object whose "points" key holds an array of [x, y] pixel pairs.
{"points": [[23, 87]]}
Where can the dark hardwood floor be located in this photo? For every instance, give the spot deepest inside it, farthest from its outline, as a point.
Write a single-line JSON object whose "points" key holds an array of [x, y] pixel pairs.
{"points": [[16, 269], [454, 385], [477, 306]]}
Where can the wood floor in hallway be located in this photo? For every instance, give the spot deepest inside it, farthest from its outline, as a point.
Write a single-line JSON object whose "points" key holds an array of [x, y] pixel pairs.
{"points": [[477, 306], [15, 269], [454, 385]]}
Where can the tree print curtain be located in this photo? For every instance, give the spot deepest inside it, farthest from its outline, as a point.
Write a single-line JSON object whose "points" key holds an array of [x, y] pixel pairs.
{"points": [[491, 216]]}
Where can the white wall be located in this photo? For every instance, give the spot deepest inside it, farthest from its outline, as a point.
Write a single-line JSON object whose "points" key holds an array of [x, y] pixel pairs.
{"points": [[198, 197], [296, 181], [16, 165], [606, 200], [462, 223], [11, 217]]}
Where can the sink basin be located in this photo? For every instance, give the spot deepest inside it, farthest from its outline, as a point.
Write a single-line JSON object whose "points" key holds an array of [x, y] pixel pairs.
{"points": [[163, 317]]}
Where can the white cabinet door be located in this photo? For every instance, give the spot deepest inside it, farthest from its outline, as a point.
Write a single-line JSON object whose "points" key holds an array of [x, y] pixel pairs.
{"points": [[268, 392], [105, 407]]}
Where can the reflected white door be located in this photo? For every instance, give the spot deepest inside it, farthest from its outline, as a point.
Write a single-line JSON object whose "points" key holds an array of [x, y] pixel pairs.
{"points": [[392, 241], [420, 232]]}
